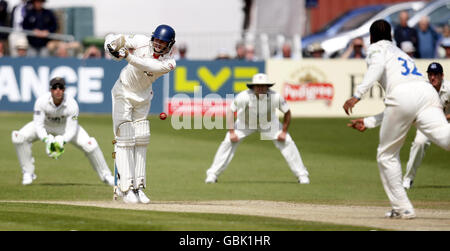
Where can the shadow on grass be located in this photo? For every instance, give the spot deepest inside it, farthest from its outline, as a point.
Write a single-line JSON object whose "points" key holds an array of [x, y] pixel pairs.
{"points": [[431, 186], [257, 182], [67, 184]]}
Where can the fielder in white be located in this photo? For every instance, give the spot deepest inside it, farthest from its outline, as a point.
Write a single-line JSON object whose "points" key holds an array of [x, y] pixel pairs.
{"points": [[148, 59], [421, 142], [410, 100], [256, 111], [55, 122]]}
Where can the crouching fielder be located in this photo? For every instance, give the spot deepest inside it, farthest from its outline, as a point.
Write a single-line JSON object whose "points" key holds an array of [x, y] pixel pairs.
{"points": [[148, 59], [55, 123], [256, 109]]}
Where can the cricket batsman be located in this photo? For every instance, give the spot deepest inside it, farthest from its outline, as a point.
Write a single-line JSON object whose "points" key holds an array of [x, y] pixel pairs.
{"points": [[148, 59], [256, 111], [55, 122]]}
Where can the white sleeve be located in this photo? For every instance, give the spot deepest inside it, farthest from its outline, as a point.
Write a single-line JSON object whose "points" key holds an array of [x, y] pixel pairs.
{"points": [[374, 121], [283, 105], [38, 120], [151, 64], [375, 62], [71, 122]]}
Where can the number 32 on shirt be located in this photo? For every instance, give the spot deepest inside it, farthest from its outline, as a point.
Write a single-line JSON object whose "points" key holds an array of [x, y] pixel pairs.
{"points": [[407, 69]]}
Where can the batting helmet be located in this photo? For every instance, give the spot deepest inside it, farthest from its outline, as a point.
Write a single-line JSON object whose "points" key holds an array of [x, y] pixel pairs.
{"points": [[165, 33]]}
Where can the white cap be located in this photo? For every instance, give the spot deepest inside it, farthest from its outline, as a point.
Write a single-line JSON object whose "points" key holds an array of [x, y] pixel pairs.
{"points": [[260, 79], [22, 43], [445, 42], [407, 46]]}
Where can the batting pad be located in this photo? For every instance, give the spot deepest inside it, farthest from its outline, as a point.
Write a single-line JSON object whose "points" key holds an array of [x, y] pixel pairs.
{"points": [[142, 137], [125, 143], [23, 150]]}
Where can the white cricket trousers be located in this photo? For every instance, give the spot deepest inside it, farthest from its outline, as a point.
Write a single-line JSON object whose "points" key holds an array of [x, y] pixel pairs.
{"points": [[416, 154], [410, 103], [130, 111], [24, 138], [226, 151]]}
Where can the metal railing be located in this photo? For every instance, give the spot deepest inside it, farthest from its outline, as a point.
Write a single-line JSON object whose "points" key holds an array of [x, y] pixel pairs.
{"points": [[53, 36]]}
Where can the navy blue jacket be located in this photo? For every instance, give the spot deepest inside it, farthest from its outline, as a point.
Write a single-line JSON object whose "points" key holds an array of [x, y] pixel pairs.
{"points": [[42, 20]]}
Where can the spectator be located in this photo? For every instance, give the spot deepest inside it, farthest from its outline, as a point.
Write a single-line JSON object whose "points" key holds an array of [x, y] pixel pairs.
{"points": [[63, 49], [440, 51], [3, 18], [408, 48], [355, 50], [182, 50], [92, 52], [223, 54], [42, 22], [250, 53], [240, 51], [428, 39], [284, 51], [446, 45], [21, 47], [405, 33], [315, 50], [2, 49], [18, 13]]}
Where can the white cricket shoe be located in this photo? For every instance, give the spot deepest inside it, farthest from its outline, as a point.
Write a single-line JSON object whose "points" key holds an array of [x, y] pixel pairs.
{"points": [[400, 214], [303, 179], [210, 179], [141, 196], [109, 180], [130, 197], [28, 178], [407, 183]]}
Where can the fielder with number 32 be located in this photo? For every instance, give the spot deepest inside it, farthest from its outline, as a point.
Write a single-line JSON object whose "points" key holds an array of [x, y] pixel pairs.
{"points": [[148, 59], [55, 122], [410, 100]]}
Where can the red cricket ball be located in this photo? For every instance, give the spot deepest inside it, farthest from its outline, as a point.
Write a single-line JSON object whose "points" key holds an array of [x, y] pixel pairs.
{"points": [[162, 115]]}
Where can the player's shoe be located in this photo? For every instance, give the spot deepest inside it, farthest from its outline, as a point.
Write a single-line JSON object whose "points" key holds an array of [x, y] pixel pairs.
{"points": [[400, 214], [141, 196], [28, 178], [407, 183], [210, 179], [109, 180], [130, 197], [303, 179]]}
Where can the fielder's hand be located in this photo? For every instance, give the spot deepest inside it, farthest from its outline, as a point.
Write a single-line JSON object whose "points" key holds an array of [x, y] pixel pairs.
{"points": [[282, 137], [349, 104], [357, 124], [233, 137]]}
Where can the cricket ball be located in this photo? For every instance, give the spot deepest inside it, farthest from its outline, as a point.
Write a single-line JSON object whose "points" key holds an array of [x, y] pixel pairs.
{"points": [[162, 116]]}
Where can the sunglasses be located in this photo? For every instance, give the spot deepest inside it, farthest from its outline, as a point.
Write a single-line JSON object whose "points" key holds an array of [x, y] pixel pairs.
{"points": [[58, 86]]}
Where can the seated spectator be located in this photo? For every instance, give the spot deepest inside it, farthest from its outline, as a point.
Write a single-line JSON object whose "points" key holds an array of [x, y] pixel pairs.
{"points": [[42, 22], [315, 50], [446, 45], [250, 53], [428, 39], [63, 49], [284, 51], [408, 48], [355, 50], [440, 51], [182, 50], [405, 33], [92, 52], [4, 19], [21, 47], [2, 49], [223, 54], [240, 51], [18, 13]]}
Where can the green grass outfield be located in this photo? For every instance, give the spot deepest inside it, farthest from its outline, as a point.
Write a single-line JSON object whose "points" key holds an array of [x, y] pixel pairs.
{"points": [[341, 162]]}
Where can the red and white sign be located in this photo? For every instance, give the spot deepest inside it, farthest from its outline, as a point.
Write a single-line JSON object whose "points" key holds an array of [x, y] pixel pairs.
{"points": [[308, 92]]}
